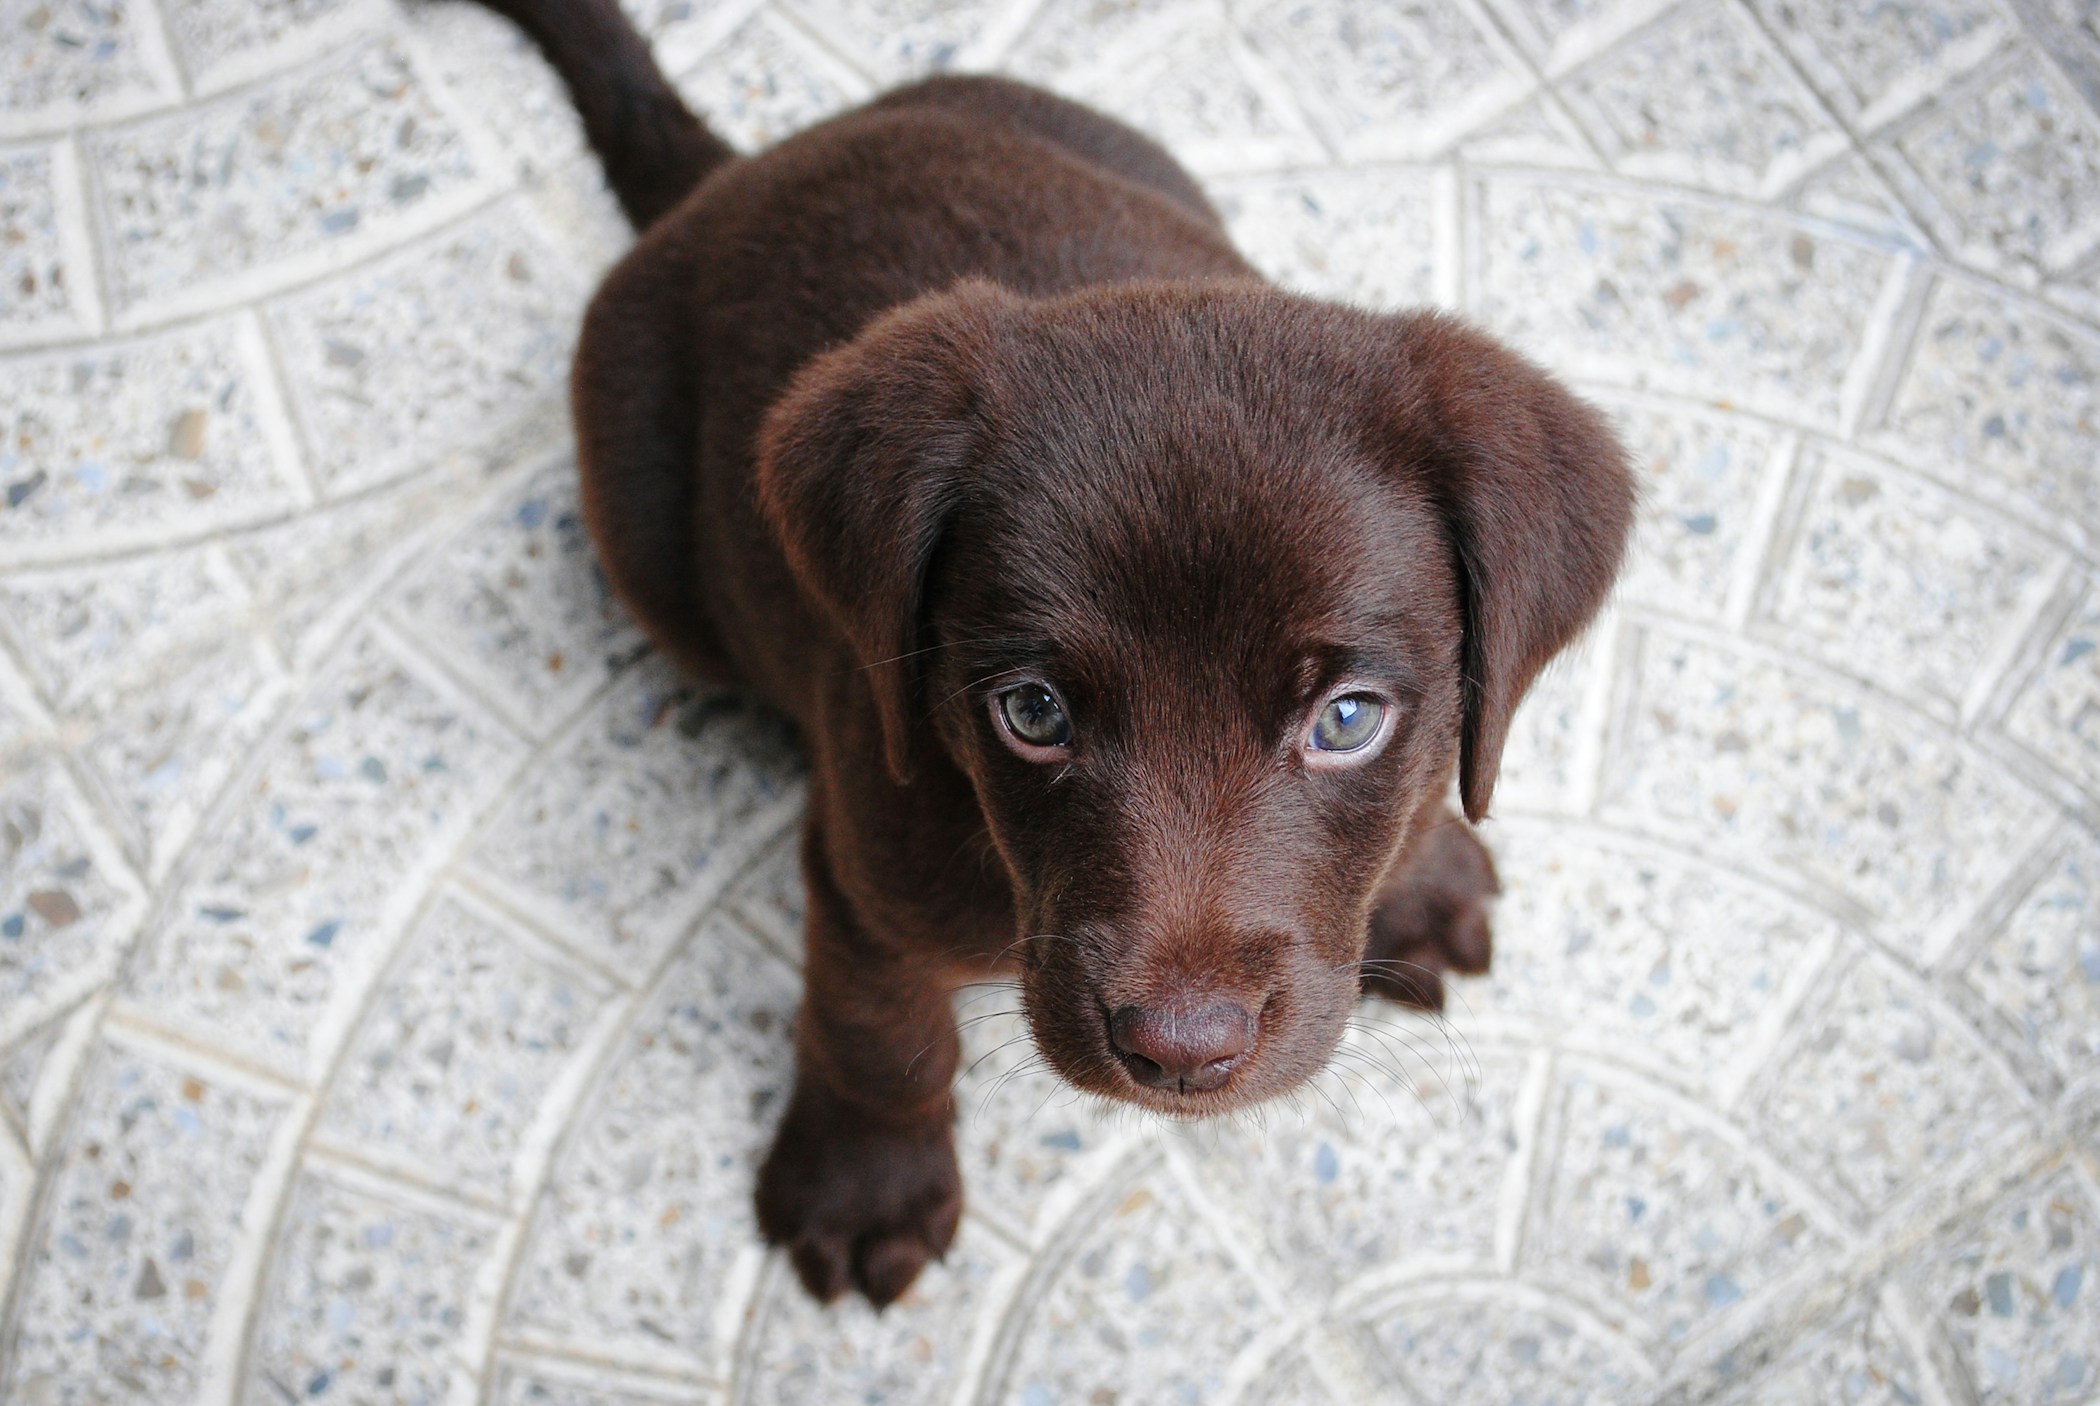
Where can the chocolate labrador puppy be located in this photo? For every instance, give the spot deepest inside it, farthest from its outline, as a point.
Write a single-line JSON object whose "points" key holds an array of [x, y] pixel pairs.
{"points": [[1135, 613]]}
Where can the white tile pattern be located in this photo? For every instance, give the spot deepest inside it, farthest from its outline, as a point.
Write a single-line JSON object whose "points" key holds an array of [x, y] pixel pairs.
{"points": [[396, 964]]}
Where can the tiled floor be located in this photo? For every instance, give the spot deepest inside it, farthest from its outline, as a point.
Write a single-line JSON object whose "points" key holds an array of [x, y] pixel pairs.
{"points": [[396, 961]]}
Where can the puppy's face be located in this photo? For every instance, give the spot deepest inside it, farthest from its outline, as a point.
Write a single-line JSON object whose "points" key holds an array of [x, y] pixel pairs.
{"points": [[1204, 588], [1200, 669]]}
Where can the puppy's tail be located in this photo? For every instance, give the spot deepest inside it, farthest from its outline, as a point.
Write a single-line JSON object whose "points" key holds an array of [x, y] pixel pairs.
{"points": [[653, 147]]}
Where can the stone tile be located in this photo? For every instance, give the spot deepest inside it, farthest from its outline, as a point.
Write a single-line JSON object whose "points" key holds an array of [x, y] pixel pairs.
{"points": [[1388, 77], [68, 910], [2015, 163], [518, 1382], [1289, 1381], [1795, 773], [317, 572], [646, 1228], [517, 599], [1028, 1143], [769, 898], [124, 1272], [290, 905], [1367, 238], [17, 1185], [1445, 1345], [767, 82], [1861, 1360], [21, 1066], [47, 285], [2041, 968], [1700, 474], [630, 828], [36, 1075], [899, 39], [1063, 39], [2014, 1290], [1872, 61], [494, 71], [1901, 583], [459, 1050], [1398, 1160], [78, 629], [1181, 75], [914, 1351], [2005, 398], [1850, 192], [683, 32], [1671, 1225], [1534, 133], [1564, 32], [1549, 757], [132, 443], [2078, 21], [367, 1299], [1884, 1088], [1642, 291], [222, 42], [318, 167], [163, 754], [420, 353], [75, 60], [1642, 956], [1148, 1307], [1704, 99], [2057, 711]]}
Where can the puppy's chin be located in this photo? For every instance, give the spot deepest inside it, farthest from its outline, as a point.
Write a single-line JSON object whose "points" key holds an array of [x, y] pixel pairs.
{"points": [[1297, 1034]]}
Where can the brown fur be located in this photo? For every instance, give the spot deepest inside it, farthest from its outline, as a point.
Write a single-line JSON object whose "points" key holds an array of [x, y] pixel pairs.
{"points": [[969, 386]]}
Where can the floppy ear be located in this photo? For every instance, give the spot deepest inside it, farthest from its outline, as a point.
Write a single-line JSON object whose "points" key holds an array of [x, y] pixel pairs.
{"points": [[1535, 493], [860, 464]]}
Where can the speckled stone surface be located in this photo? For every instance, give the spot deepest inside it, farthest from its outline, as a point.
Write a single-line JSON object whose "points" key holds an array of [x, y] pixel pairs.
{"points": [[397, 961]]}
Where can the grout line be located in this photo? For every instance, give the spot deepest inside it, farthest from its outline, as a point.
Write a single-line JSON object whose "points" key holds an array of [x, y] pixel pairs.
{"points": [[1775, 519], [1885, 349], [1524, 1179]]}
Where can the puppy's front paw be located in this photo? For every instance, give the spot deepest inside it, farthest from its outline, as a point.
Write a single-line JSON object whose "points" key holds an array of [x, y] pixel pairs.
{"points": [[1432, 916], [858, 1206]]}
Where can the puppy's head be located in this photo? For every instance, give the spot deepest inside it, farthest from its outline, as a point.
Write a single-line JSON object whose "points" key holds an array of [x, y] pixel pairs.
{"points": [[1205, 588]]}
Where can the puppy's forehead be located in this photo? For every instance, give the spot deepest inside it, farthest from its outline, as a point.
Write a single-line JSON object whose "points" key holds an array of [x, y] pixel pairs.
{"points": [[1227, 543]]}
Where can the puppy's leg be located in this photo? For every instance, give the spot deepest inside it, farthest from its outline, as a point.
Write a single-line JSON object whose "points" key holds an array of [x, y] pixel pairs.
{"points": [[1432, 914], [861, 1187]]}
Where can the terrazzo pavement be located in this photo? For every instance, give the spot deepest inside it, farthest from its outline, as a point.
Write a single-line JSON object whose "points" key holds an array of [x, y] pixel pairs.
{"points": [[396, 960]]}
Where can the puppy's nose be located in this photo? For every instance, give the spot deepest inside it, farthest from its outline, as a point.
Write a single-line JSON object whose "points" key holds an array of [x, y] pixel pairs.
{"points": [[1190, 1048]]}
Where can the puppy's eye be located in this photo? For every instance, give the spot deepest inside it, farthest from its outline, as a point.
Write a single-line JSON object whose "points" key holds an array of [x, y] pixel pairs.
{"points": [[1347, 724], [1033, 717]]}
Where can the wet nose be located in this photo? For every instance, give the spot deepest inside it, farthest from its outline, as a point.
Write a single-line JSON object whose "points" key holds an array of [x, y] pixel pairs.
{"points": [[1191, 1048]]}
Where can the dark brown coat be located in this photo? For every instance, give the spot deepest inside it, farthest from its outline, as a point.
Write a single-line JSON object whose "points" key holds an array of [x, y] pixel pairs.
{"points": [[961, 406]]}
